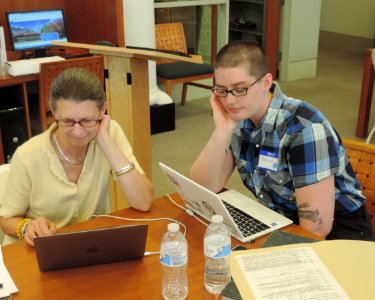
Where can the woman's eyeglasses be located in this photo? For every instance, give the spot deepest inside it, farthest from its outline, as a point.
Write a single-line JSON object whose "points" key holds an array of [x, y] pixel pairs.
{"points": [[83, 123]]}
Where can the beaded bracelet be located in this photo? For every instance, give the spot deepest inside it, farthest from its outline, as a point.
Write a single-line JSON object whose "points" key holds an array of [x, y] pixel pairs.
{"points": [[23, 229], [125, 169], [20, 227]]}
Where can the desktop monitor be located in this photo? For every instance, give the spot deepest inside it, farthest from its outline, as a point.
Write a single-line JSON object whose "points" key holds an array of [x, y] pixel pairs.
{"points": [[34, 30]]}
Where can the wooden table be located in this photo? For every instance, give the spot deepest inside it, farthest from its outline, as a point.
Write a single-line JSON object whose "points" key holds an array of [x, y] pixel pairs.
{"points": [[140, 279]]}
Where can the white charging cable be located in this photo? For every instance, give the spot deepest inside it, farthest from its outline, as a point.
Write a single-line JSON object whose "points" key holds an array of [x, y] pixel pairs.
{"points": [[147, 253], [140, 220], [187, 210]]}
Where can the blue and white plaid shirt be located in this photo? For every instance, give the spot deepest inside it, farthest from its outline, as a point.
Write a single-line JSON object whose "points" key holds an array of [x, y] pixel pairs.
{"points": [[304, 149]]}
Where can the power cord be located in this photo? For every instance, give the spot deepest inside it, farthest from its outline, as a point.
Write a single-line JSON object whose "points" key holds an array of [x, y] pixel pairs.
{"points": [[187, 210], [140, 220]]}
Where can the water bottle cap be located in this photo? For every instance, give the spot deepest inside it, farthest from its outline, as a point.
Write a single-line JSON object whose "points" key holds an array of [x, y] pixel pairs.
{"points": [[217, 219], [173, 227]]}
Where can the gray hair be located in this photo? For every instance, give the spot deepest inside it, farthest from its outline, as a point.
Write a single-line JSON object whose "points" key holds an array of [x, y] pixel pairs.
{"points": [[76, 84]]}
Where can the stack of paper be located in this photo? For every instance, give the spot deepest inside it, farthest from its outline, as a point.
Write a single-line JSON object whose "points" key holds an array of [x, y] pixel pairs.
{"points": [[296, 273], [340, 269], [7, 286]]}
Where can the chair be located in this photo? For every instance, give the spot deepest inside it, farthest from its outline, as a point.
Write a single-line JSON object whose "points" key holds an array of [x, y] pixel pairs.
{"points": [[171, 36], [50, 70], [4, 172], [362, 159]]}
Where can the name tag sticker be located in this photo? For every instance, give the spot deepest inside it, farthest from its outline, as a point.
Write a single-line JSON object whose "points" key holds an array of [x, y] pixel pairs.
{"points": [[268, 160]]}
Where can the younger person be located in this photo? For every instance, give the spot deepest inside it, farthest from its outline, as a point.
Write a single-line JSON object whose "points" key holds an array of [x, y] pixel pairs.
{"points": [[286, 151]]}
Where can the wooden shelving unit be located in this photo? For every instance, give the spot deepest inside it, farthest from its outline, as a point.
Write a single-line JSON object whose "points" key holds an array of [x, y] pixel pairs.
{"points": [[254, 13], [264, 19]]}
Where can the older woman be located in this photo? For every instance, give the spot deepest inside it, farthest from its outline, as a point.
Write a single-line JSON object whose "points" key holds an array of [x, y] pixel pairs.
{"points": [[62, 176]]}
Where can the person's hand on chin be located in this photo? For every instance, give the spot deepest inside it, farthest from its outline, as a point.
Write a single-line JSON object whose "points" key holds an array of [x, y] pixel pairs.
{"points": [[222, 119]]}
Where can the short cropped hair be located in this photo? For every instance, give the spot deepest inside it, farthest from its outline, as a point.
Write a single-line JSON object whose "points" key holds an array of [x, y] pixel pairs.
{"points": [[78, 85], [243, 53]]}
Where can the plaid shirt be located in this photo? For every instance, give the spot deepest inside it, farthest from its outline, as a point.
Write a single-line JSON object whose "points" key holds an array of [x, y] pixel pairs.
{"points": [[301, 148]]}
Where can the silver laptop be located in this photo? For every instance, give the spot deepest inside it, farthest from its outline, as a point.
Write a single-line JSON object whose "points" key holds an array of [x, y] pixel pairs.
{"points": [[246, 218], [90, 247]]}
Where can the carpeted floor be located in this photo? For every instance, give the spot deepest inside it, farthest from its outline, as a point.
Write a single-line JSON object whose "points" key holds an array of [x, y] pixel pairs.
{"points": [[335, 91]]}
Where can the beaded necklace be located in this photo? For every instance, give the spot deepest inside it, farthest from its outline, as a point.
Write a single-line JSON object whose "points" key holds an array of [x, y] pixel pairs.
{"points": [[71, 162]]}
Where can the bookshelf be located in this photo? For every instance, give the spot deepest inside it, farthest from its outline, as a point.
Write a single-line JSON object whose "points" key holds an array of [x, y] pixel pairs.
{"points": [[257, 21], [247, 21]]}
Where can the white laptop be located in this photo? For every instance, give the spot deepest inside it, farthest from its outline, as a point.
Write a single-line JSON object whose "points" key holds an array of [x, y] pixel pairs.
{"points": [[246, 218]]}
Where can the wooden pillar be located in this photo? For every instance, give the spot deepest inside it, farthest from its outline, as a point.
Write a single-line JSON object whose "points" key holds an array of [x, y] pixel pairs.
{"points": [[126, 83]]}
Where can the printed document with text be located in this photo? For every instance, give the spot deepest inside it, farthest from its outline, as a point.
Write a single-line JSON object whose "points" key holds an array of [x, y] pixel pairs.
{"points": [[296, 273]]}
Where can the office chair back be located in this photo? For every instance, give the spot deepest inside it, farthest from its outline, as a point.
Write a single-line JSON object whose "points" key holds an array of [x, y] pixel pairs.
{"points": [[50, 70], [4, 172], [362, 159], [171, 36]]}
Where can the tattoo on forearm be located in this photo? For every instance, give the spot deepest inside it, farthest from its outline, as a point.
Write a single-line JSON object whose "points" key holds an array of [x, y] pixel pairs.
{"points": [[312, 215]]}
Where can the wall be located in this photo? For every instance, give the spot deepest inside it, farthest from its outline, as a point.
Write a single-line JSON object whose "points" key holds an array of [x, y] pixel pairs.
{"points": [[299, 38], [348, 24], [352, 17], [89, 21]]}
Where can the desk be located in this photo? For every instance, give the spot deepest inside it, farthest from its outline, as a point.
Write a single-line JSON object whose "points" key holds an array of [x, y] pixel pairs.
{"points": [[140, 279]]}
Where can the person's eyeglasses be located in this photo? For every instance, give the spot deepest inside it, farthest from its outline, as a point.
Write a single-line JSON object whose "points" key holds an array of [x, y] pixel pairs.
{"points": [[237, 92], [83, 123]]}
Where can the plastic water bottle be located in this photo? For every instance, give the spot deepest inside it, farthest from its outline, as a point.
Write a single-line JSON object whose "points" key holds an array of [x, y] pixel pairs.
{"points": [[173, 258], [217, 245]]}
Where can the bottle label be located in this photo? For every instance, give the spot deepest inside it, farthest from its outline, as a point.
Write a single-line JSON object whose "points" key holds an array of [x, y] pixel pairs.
{"points": [[216, 251], [173, 260]]}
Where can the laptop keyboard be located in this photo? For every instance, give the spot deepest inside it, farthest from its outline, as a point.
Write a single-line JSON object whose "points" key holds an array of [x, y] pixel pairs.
{"points": [[247, 224]]}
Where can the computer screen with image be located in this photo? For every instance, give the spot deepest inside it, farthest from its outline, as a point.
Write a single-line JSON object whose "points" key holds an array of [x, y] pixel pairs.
{"points": [[34, 30]]}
